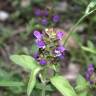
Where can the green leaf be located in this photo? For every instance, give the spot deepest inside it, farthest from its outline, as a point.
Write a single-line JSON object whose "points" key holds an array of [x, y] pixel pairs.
{"points": [[81, 83], [91, 5], [85, 93], [91, 50], [25, 61], [90, 45], [10, 83], [63, 86], [40, 86], [32, 80]]}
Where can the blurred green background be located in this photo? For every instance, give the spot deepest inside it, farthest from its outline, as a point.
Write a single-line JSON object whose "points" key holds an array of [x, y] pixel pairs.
{"points": [[17, 22]]}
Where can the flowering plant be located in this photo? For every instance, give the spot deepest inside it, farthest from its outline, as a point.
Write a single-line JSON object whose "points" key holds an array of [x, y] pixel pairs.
{"points": [[45, 62]]}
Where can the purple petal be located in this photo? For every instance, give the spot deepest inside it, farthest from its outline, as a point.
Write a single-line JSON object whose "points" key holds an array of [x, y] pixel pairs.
{"points": [[44, 21], [36, 55], [43, 62], [60, 35], [37, 34], [61, 56], [61, 49], [40, 43], [37, 12], [57, 53], [90, 68], [87, 76]]}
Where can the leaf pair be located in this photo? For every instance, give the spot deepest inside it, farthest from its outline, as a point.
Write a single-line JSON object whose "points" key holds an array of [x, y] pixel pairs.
{"points": [[27, 62]]}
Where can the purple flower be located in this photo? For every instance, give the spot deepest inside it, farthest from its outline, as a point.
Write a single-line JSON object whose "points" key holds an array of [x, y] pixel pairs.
{"points": [[43, 62], [40, 43], [89, 73], [37, 34], [56, 18], [36, 55], [87, 76], [90, 68], [61, 56], [61, 48], [44, 21], [60, 35], [57, 53], [37, 12]]}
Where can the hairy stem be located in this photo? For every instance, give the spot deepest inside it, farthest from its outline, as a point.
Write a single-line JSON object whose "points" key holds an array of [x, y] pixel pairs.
{"points": [[73, 28], [78, 22]]}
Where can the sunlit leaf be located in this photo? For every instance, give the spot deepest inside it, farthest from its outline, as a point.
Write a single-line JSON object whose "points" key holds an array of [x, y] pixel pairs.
{"points": [[81, 83], [63, 86], [91, 50], [10, 83], [27, 62], [32, 80], [85, 93], [90, 44]]}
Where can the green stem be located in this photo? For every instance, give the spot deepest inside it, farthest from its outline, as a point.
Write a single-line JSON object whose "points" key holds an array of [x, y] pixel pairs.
{"points": [[74, 27], [44, 90]]}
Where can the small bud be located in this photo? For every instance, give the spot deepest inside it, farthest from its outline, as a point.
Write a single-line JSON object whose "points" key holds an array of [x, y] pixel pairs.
{"points": [[43, 62], [56, 18]]}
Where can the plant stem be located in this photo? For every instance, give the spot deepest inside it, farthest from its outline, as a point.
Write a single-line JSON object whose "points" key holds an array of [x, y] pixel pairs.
{"points": [[74, 27], [44, 90]]}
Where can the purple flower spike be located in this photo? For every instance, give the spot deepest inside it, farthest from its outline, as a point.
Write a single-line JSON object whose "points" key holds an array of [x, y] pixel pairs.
{"points": [[43, 62], [37, 12], [89, 73], [37, 34], [44, 21], [60, 35], [90, 68], [56, 18], [40, 43]]}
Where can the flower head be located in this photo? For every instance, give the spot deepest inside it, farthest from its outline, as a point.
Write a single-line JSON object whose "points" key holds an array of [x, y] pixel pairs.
{"points": [[56, 18], [50, 50]]}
